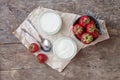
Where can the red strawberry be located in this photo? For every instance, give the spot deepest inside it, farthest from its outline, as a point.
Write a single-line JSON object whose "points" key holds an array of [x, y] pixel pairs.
{"points": [[42, 58], [33, 47], [95, 34], [84, 20], [86, 38], [92, 22], [79, 36], [77, 29], [90, 28]]}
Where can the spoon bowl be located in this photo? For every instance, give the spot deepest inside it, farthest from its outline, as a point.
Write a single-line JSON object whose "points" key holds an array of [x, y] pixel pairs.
{"points": [[46, 46]]}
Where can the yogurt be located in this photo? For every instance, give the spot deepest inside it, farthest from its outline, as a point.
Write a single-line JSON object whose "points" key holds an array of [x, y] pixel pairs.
{"points": [[64, 48], [50, 22]]}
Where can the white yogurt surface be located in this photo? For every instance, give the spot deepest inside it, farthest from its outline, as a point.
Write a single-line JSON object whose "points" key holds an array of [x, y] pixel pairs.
{"points": [[65, 48], [50, 22]]}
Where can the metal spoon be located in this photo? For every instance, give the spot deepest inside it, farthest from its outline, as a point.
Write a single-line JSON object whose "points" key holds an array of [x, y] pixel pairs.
{"points": [[42, 47], [45, 43]]}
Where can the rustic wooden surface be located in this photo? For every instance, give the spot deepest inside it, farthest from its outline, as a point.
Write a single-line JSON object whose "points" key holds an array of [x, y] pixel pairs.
{"points": [[98, 62]]}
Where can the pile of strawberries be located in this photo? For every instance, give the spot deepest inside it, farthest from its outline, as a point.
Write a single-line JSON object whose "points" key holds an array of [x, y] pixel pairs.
{"points": [[85, 30]]}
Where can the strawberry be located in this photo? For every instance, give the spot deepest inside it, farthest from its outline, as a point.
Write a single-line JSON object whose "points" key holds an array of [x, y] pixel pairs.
{"points": [[95, 34], [42, 58], [77, 29], [79, 36], [84, 20], [86, 38], [90, 28], [92, 22], [33, 47]]}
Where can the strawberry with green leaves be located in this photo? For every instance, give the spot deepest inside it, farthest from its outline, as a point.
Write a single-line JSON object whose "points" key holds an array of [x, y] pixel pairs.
{"points": [[90, 28], [77, 29], [33, 47], [86, 38], [84, 20]]}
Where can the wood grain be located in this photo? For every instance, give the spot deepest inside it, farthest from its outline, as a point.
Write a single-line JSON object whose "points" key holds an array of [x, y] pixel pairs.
{"points": [[99, 62]]}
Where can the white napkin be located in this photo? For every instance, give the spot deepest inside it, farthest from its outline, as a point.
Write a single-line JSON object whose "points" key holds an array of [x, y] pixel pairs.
{"points": [[67, 20]]}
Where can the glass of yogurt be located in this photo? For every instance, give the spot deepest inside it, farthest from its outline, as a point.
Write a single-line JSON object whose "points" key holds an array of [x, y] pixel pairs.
{"points": [[64, 48], [50, 22]]}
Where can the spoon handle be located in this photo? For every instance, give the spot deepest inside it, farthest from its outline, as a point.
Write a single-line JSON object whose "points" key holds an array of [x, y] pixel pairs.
{"points": [[35, 29], [30, 35]]}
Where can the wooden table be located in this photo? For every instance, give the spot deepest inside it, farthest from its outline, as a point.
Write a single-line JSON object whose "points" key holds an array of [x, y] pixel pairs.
{"points": [[98, 62]]}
